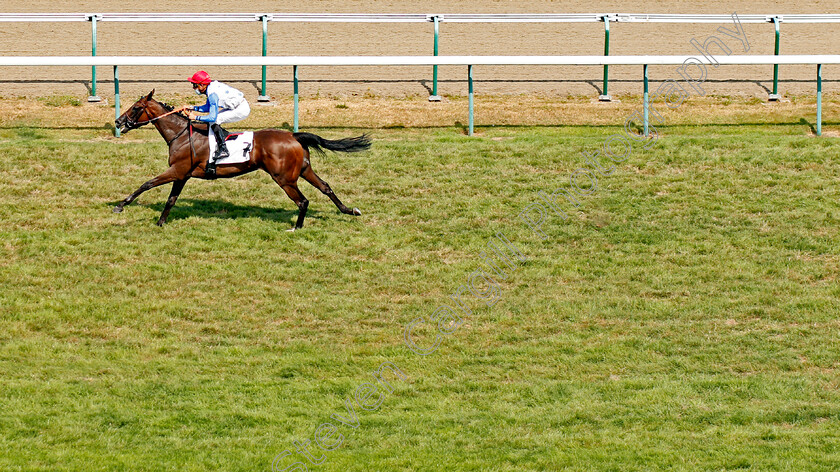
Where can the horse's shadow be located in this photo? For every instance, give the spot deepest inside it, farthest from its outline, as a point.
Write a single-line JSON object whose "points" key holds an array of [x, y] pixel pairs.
{"points": [[203, 208]]}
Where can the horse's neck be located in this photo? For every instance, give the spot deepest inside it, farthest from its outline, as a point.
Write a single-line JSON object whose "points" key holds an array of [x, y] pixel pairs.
{"points": [[170, 126]]}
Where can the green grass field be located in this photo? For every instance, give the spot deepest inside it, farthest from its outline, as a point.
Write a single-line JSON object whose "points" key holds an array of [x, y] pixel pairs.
{"points": [[685, 317]]}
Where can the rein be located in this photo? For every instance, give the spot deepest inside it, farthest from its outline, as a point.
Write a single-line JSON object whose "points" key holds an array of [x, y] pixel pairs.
{"points": [[192, 144], [189, 125], [134, 124], [155, 118]]}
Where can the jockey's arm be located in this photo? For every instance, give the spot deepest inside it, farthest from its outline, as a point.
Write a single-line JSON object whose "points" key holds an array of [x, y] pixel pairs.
{"points": [[211, 108]]}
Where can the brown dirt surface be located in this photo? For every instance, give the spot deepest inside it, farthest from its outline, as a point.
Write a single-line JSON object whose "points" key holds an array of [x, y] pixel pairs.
{"points": [[118, 38]]}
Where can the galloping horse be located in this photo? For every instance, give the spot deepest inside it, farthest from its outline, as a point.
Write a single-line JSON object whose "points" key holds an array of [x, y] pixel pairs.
{"points": [[284, 155]]}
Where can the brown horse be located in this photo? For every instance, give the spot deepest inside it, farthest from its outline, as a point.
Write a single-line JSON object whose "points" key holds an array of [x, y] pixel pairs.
{"points": [[284, 155]]}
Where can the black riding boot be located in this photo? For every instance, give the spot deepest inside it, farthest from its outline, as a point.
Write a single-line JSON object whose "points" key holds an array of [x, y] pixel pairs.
{"points": [[221, 149]]}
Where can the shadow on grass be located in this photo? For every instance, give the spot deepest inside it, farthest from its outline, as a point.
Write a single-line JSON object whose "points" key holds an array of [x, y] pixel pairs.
{"points": [[202, 208], [803, 121]]}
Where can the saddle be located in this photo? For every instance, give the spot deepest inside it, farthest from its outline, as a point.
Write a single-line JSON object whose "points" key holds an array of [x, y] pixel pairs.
{"points": [[239, 146]]}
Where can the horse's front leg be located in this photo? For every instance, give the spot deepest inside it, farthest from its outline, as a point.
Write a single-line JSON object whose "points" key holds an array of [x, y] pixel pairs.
{"points": [[169, 176], [177, 186]]}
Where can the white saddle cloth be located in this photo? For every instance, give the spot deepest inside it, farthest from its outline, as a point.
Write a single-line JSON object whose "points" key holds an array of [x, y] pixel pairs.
{"points": [[239, 146]]}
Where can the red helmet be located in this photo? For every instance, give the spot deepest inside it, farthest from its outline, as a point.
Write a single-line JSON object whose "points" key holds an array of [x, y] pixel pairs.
{"points": [[200, 77]]}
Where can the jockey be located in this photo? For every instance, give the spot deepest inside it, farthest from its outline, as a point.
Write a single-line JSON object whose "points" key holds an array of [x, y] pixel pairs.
{"points": [[224, 104]]}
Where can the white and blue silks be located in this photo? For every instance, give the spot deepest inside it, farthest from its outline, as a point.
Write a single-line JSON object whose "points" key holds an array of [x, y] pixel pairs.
{"points": [[224, 104]]}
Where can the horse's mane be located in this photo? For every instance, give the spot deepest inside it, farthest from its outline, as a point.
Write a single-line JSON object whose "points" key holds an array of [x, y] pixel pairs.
{"points": [[169, 108]]}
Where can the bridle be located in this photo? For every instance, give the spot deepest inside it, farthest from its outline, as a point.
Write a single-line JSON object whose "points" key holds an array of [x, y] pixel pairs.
{"points": [[132, 124]]}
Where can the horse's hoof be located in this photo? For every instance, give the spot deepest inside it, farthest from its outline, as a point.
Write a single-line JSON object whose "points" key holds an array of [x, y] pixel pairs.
{"points": [[118, 209], [292, 230], [160, 223], [357, 212]]}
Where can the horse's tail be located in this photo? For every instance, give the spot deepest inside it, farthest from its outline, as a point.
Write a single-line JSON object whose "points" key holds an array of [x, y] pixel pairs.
{"points": [[313, 141]]}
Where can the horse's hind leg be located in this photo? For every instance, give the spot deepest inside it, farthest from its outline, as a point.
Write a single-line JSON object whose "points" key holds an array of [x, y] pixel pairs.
{"points": [[324, 187], [294, 193]]}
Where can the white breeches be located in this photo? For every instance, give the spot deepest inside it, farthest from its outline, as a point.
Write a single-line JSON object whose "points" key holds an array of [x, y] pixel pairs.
{"points": [[239, 113]]}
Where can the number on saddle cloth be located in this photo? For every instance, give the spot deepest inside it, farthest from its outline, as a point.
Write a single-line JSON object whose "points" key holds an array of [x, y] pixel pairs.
{"points": [[239, 146]]}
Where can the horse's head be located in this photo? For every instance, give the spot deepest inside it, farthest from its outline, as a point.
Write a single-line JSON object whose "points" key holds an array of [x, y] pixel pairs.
{"points": [[138, 115]]}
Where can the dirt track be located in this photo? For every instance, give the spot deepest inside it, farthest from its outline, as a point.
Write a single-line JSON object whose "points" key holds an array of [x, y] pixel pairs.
{"points": [[408, 39]]}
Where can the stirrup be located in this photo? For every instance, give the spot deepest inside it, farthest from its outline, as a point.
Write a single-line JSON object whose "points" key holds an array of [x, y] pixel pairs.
{"points": [[220, 134], [210, 169], [222, 152]]}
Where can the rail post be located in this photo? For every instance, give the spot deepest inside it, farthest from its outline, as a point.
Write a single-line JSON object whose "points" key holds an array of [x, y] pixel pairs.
{"points": [[434, 97], [605, 96], [646, 105], [775, 95], [93, 18], [263, 94], [295, 73], [470, 80], [116, 99], [819, 99]]}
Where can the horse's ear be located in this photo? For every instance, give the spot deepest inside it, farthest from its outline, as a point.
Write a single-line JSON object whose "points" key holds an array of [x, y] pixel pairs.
{"points": [[149, 97]]}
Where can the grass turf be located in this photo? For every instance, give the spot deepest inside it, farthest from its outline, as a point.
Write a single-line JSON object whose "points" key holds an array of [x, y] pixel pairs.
{"points": [[684, 317]]}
